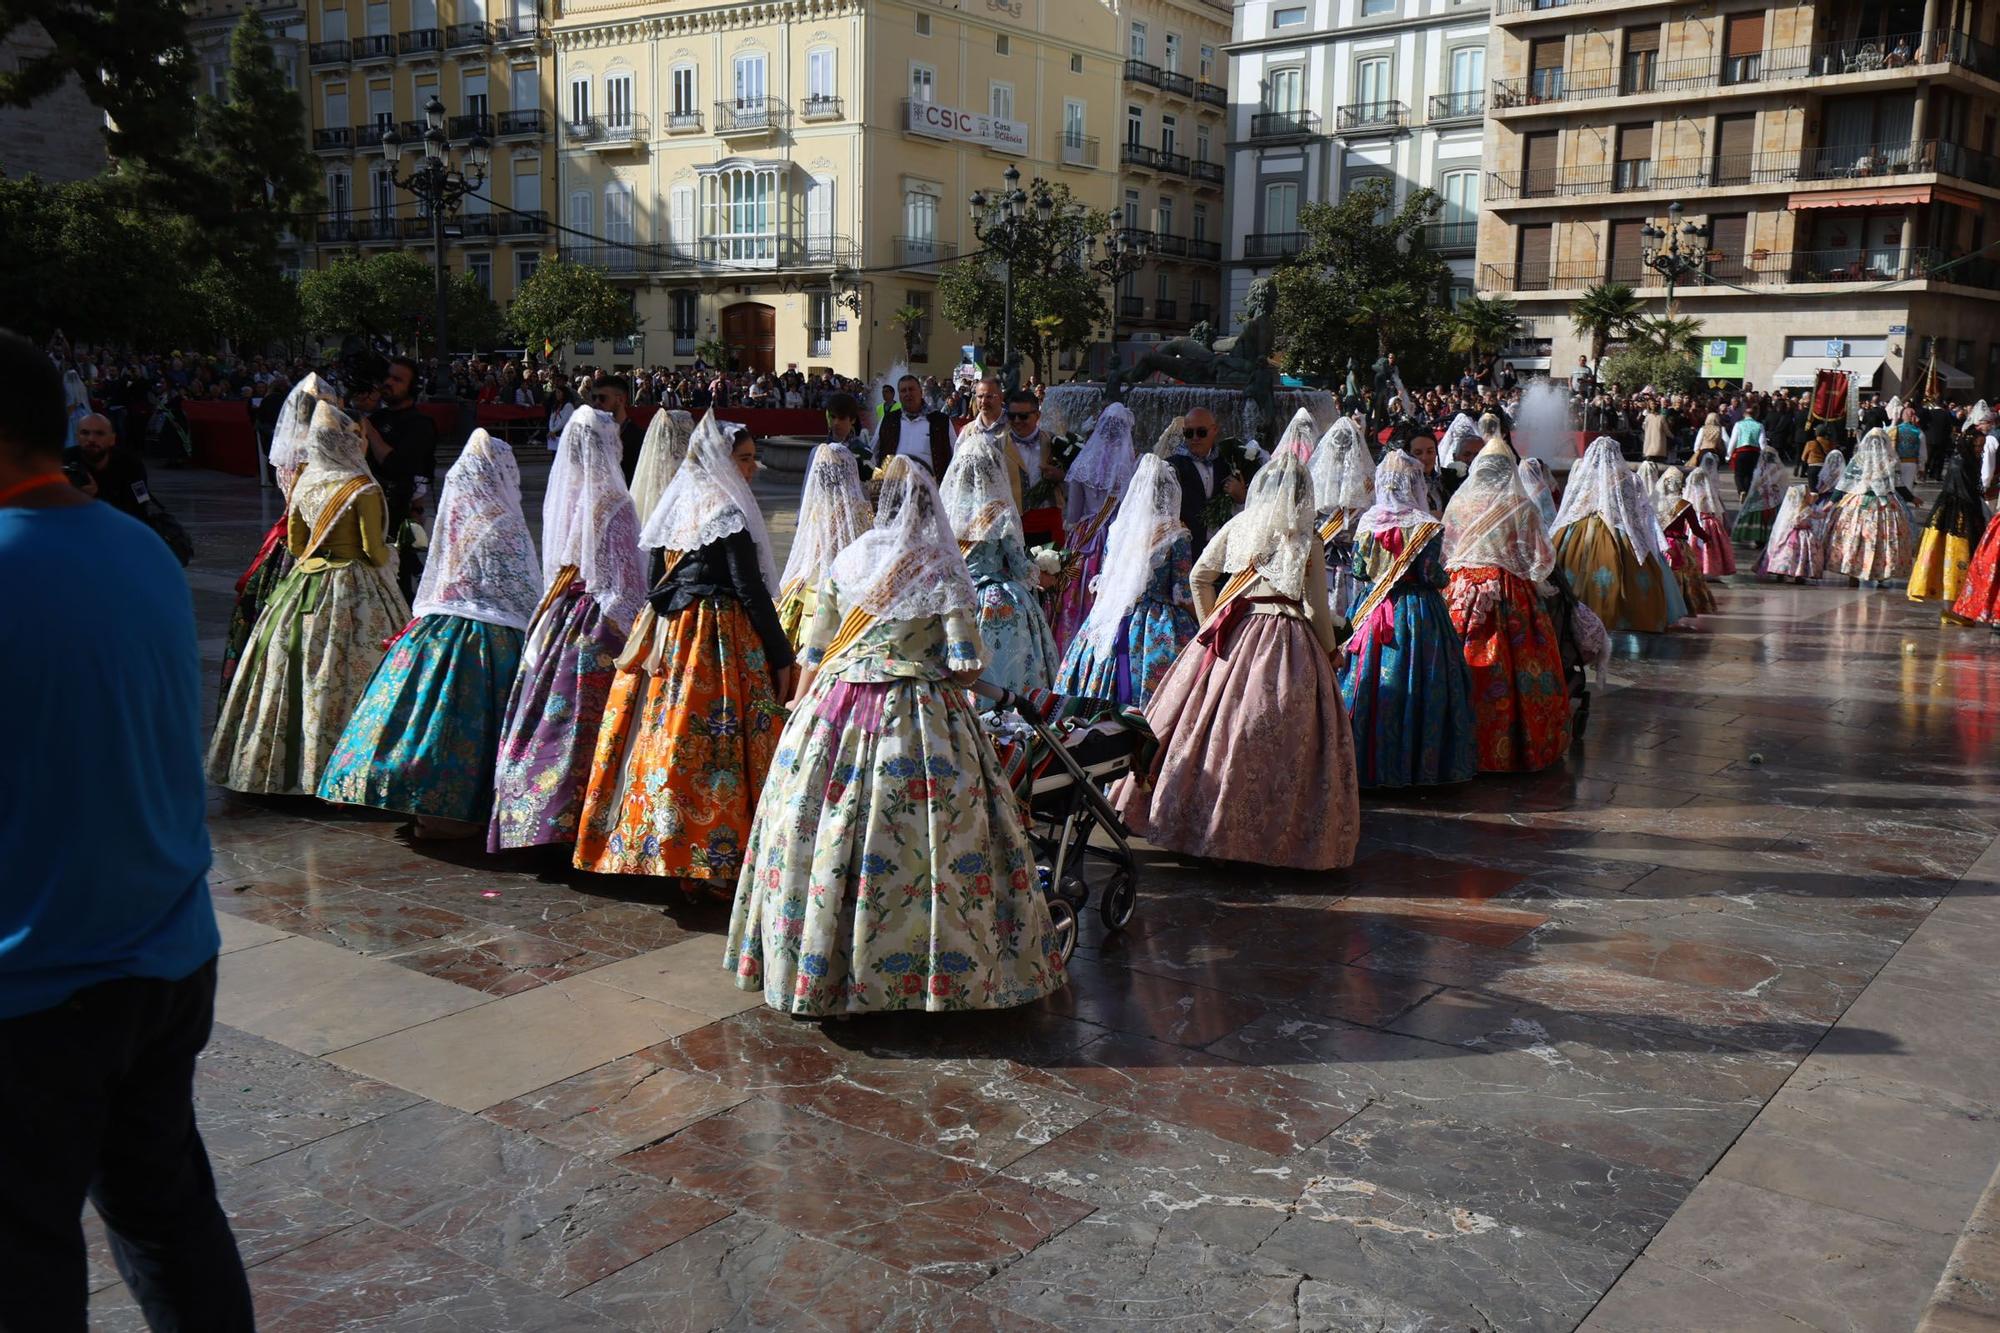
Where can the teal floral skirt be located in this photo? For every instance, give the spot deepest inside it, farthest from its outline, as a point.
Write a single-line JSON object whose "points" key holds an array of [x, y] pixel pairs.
{"points": [[887, 867], [424, 738]]}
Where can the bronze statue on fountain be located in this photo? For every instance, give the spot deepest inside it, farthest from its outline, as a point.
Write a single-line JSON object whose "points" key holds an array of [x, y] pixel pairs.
{"points": [[1243, 361]]}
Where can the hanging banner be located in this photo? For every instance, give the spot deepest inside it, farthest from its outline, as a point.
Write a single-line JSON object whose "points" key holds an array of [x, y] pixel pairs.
{"points": [[946, 122]]}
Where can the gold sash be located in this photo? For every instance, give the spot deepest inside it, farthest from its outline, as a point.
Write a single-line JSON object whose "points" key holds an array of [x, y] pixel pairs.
{"points": [[1231, 590], [1413, 544], [564, 577], [1331, 528], [852, 626], [1087, 530], [323, 525]]}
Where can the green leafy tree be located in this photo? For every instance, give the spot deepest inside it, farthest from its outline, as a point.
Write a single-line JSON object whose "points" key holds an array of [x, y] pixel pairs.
{"points": [[1665, 335], [392, 296], [1058, 302], [1604, 311], [565, 303], [909, 322], [477, 324], [1483, 326], [713, 351], [78, 257], [1362, 285], [1632, 368], [131, 58]]}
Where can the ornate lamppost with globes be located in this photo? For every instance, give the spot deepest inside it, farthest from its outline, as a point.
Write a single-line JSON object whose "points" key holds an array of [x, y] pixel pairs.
{"points": [[1004, 226], [440, 177], [1677, 252], [1125, 250]]}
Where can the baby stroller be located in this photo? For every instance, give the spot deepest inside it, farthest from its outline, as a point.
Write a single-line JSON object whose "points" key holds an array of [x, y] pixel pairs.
{"points": [[1058, 757]]}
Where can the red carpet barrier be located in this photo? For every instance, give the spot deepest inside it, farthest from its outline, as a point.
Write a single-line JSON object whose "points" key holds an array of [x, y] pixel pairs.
{"points": [[224, 437]]}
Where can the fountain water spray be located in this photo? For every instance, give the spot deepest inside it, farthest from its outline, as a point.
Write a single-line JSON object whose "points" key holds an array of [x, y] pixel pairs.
{"points": [[1542, 426]]}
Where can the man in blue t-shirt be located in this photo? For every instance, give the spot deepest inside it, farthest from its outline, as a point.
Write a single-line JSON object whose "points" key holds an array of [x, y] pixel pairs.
{"points": [[107, 939]]}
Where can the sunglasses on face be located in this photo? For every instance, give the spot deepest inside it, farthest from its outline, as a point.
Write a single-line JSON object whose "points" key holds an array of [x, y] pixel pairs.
{"points": [[1196, 432], [1020, 416]]}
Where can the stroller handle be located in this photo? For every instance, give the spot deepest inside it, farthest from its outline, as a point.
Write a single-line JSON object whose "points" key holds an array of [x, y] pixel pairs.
{"points": [[1003, 698]]}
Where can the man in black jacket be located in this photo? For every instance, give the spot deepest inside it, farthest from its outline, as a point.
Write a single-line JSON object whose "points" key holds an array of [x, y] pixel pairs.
{"points": [[403, 451], [1202, 473], [613, 394], [914, 432]]}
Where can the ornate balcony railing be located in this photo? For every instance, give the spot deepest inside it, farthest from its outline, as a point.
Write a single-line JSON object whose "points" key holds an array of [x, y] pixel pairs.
{"points": [[1284, 124]]}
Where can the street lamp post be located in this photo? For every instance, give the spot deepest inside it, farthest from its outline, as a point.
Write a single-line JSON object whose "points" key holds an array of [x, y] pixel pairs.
{"points": [[1004, 226], [1125, 249], [1677, 252], [440, 181]]}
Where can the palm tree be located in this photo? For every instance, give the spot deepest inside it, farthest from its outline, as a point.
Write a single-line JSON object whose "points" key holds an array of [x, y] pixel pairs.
{"points": [[1483, 325], [1387, 310], [1605, 309], [909, 320], [1665, 335]]}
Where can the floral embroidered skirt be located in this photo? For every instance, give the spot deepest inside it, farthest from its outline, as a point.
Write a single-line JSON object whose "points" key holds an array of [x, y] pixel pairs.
{"points": [[550, 728], [1267, 704], [253, 592], [683, 751], [309, 660], [1410, 699], [1718, 553], [1520, 697], [1870, 539], [1020, 650], [887, 867], [1609, 578], [1802, 554], [1130, 673], [1753, 526], [795, 614], [1078, 591], [1686, 562], [425, 736], [1980, 599], [1943, 560]]}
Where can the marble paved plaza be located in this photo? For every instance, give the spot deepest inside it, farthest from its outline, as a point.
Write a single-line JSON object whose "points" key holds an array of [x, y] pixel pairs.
{"points": [[1696, 1032]]}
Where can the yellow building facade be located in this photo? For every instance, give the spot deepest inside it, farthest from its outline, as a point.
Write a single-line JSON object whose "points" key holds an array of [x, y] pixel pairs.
{"points": [[728, 161], [371, 65]]}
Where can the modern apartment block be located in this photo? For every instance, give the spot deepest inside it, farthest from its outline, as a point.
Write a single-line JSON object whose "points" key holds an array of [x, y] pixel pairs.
{"points": [[1171, 145], [726, 161], [1839, 153], [373, 65], [1330, 93]]}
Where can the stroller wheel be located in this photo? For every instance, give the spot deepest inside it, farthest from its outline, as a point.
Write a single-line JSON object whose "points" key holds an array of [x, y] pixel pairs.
{"points": [[1118, 899], [1064, 918]]}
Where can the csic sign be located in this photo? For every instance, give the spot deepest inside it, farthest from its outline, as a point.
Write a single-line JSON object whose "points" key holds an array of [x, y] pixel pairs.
{"points": [[946, 122]]}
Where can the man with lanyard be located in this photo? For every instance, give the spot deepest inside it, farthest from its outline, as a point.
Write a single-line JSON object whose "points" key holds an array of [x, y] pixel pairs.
{"points": [[1202, 472], [913, 431], [402, 449]]}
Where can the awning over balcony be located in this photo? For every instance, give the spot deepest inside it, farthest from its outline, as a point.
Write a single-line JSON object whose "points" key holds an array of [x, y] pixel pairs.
{"points": [[1909, 194], [1799, 372], [1953, 377]]}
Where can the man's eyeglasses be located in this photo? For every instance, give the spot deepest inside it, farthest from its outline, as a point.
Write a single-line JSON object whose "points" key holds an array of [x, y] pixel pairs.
{"points": [[1021, 416], [1196, 432]]}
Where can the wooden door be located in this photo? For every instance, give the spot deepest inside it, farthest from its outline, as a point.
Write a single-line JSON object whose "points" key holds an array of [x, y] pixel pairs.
{"points": [[751, 330]]}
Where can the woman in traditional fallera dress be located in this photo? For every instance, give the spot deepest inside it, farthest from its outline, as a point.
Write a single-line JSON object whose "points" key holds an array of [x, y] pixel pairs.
{"points": [[660, 457], [274, 558], [1403, 676], [979, 504], [1944, 555], [1716, 551], [1256, 757], [1761, 500], [1143, 614], [594, 586], [695, 709], [1979, 600], [1871, 538], [426, 735], [1539, 485], [1609, 545], [1680, 530], [833, 511], [1498, 555], [320, 638], [1343, 479], [1096, 479], [887, 867], [1797, 550]]}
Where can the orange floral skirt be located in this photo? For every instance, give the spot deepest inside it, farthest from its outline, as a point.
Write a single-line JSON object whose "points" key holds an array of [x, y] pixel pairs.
{"points": [[687, 737]]}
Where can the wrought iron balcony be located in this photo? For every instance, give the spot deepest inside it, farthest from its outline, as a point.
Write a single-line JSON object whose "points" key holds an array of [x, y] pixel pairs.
{"points": [[1372, 118], [1212, 93], [825, 107], [1269, 245], [370, 136], [1138, 71], [1170, 245], [465, 36], [1176, 85], [1470, 105], [608, 132], [1206, 173], [517, 28], [1079, 150], [1200, 312], [1132, 307], [919, 251], [333, 139], [1539, 277], [1177, 163], [421, 42], [465, 126], [684, 122], [327, 53], [1451, 236], [751, 115], [1209, 252], [375, 46], [531, 120], [1139, 155], [525, 222], [334, 231], [1165, 308], [1272, 125]]}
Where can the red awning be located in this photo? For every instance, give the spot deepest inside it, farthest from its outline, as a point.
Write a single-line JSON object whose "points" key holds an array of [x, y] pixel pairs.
{"points": [[1909, 194]]}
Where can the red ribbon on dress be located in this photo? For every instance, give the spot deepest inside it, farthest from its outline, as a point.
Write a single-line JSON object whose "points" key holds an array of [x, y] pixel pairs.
{"points": [[1215, 635]]}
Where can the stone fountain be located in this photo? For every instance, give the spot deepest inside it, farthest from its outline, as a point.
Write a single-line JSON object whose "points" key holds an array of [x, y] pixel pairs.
{"points": [[1231, 377]]}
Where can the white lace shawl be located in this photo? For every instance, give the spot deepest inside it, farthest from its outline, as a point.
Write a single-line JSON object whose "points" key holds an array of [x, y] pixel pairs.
{"points": [[1534, 475], [907, 567], [660, 457], [1831, 472], [288, 436], [1462, 431], [1402, 494], [1876, 458], [1602, 485], [833, 512], [1144, 529], [1699, 489], [334, 454], [978, 502], [1107, 458], [481, 563], [1299, 436], [1796, 509], [709, 500], [1491, 521], [1343, 472], [1276, 531], [1767, 484], [588, 519]]}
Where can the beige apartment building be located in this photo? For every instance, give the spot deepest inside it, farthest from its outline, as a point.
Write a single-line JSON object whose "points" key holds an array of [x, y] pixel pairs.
{"points": [[372, 65], [1840, 153], [1173, 137], [787, 176]]}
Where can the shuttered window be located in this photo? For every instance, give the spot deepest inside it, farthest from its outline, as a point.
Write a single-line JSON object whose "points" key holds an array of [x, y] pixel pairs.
{"points": [[1735, 145], [1728, 234], [1635, 157], [1641, 39], [1538, 160], [1532, 256], [1743, 48], [1545, 68], [1627, 251]]}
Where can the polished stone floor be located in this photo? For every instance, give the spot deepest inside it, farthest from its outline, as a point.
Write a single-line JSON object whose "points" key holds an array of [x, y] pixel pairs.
{"points": [[1694, 1032]]}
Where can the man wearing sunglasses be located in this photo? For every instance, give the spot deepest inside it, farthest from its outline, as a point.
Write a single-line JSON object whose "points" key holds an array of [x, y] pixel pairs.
{"points": [[1202, 472]]}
